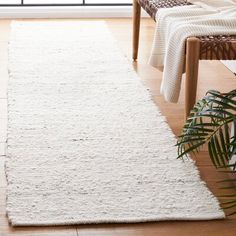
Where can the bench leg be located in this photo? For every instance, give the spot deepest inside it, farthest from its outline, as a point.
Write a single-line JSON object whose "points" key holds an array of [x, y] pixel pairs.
{"points": [[192, 63], [136, 27]]}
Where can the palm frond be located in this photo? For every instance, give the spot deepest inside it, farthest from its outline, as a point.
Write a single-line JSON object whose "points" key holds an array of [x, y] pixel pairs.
{"points": [[210, 122]]}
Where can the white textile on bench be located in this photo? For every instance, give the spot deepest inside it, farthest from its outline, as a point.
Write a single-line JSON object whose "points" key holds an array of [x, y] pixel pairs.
{"points": [[174, 26]]}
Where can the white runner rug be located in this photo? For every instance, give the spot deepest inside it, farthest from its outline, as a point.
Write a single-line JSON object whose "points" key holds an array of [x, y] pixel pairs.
{"points": [[86, 144]]}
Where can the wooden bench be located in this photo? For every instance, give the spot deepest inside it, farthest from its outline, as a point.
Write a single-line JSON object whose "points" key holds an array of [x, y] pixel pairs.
{"points": [[219, 47]]}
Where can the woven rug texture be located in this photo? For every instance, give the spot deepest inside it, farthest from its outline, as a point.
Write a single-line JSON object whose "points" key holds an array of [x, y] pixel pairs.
{"points": [[86, 143]]}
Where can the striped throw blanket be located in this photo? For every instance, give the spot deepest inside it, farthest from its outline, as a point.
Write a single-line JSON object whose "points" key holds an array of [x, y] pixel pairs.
{"points": [[174, 26]]}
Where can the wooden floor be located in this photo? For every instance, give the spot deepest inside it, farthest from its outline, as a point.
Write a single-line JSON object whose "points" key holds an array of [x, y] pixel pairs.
{"points": [[213, 75]]}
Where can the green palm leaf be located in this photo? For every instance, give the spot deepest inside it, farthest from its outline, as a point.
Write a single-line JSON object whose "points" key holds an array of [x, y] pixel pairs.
{"points": [[210, 122]]}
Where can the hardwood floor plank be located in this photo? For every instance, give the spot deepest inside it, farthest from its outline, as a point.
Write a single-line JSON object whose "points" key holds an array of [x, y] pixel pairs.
{"points": [[41, 232], [183, 228]]}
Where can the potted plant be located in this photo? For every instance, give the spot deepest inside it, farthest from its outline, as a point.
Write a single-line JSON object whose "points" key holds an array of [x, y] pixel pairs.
{"points": [[212, 121]]}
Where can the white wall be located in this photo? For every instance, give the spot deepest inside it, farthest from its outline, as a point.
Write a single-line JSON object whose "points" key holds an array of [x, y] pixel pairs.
{"points": [[67, 12]]}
